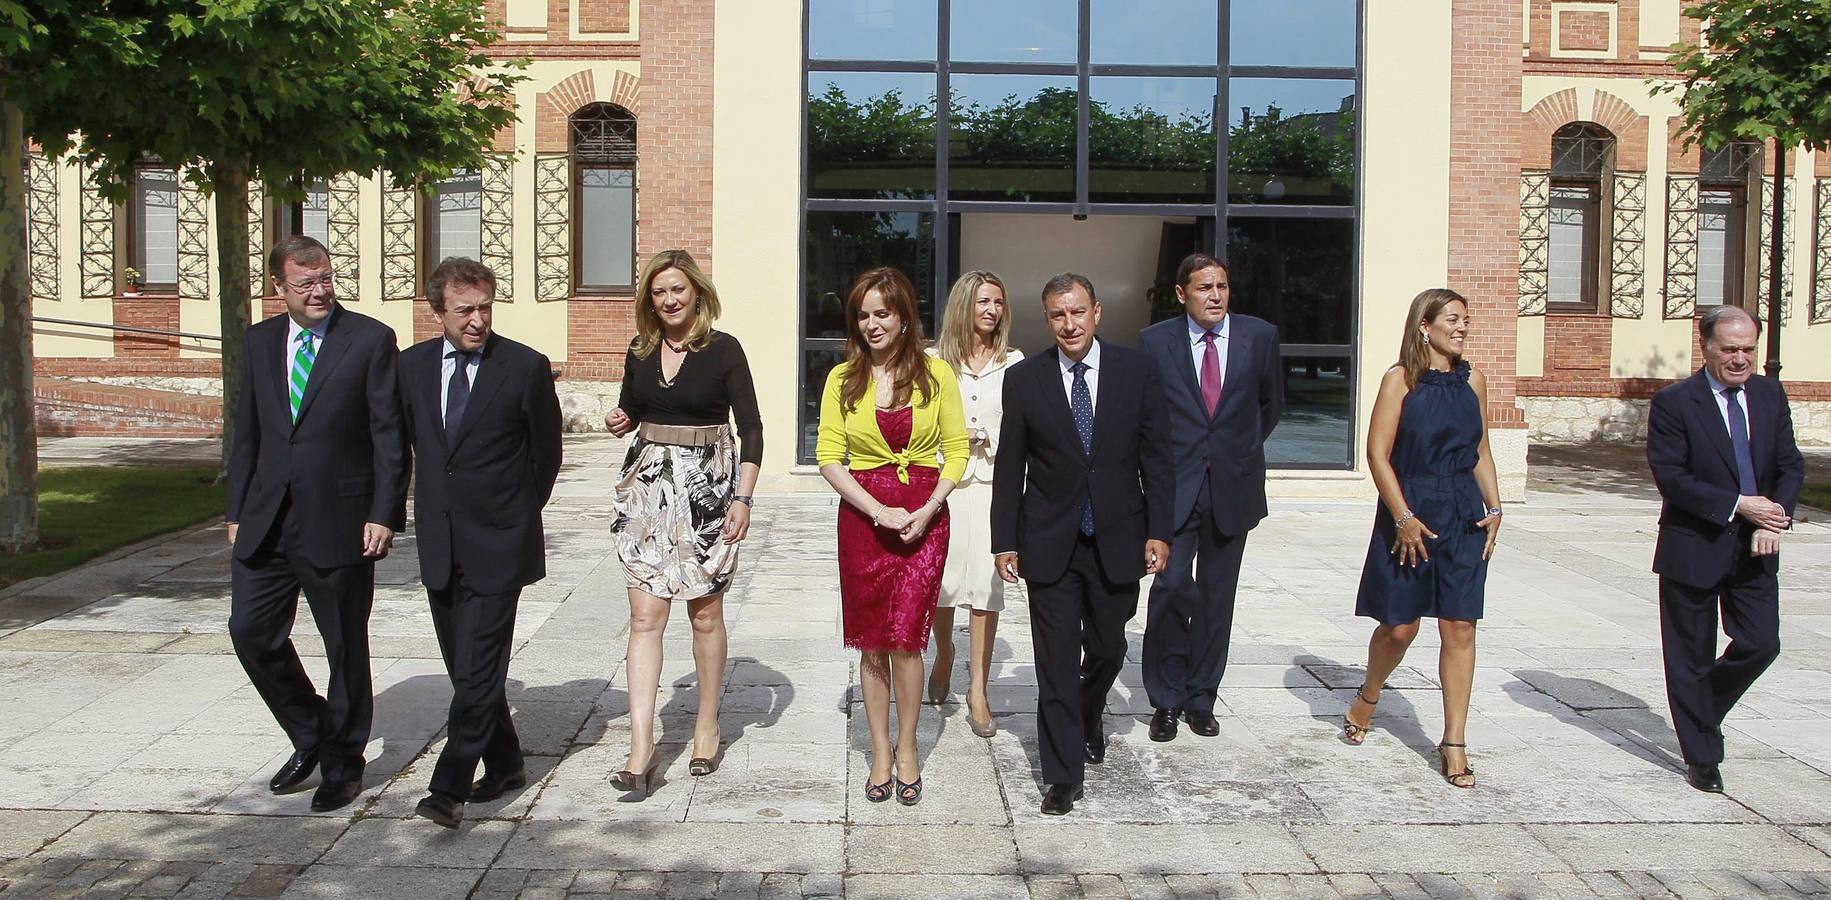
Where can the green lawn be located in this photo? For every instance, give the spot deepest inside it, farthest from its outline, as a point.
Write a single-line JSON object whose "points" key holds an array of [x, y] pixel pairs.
{"points": [[1818, 495], [84, 512]]}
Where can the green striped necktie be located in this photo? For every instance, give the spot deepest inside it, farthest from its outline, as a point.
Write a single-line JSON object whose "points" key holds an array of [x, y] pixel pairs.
{"points": [[301, 372]]}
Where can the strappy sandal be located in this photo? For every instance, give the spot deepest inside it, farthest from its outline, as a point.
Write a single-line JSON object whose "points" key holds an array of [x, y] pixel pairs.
{"points": [[877, 793], [1351, 733], [909, 793], [1455, 778]]}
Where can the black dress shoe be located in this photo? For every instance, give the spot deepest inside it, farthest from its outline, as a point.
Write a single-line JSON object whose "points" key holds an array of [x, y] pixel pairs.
{"points": [[336, 794], [1096, 750], [1203, 723], [1163, 725], [441, 809], [298, 768], [1059, 799], [1708, 779], [491, 785]]}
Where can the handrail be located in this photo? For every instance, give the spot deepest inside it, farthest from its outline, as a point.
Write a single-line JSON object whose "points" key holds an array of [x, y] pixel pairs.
{"points": [[128, 328]]}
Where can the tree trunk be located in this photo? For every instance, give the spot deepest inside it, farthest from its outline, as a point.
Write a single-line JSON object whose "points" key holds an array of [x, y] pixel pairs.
{"points": [[230, 181], [18, 430]]}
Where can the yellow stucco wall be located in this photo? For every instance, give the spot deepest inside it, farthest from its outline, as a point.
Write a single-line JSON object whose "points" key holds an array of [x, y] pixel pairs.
{"points": [[56, 341]]}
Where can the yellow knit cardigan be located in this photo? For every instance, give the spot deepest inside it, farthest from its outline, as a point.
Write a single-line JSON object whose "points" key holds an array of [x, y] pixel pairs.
{"points": [[940, 425]]}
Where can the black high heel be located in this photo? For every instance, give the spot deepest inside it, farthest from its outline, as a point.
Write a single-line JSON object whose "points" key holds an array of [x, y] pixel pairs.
{"points": [[1454, 778], [877, 793], [909, 793]]}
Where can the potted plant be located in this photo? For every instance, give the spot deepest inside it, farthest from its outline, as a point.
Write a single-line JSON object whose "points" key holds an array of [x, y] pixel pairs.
{"points": [[135, 281]]}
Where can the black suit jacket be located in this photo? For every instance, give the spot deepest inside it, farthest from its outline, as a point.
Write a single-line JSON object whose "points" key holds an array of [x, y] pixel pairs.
{"points": [[477, 499], [1694, 464], [1043, 477], [343, 464], [1229, 446]]}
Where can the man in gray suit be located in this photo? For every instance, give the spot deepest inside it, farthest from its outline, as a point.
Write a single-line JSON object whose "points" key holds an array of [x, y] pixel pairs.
{"points": [[1223, 380]]}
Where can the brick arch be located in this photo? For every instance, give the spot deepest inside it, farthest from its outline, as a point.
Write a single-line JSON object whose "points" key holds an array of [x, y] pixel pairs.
{"points": [[554, 107], [1629, 127], [1540, 123]]}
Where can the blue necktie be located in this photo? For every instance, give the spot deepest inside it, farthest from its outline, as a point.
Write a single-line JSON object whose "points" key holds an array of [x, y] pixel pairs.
{"points": [[457, 394], [1081, 404], [1738, 438]]}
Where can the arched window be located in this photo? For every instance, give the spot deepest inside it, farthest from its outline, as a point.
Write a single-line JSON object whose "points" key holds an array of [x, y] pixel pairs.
{"points": [[1582, 159], [1722, 223], [603, 198]]}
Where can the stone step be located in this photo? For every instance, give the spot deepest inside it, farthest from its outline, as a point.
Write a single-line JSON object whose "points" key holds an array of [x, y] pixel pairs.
{"points": [[68, 408]]}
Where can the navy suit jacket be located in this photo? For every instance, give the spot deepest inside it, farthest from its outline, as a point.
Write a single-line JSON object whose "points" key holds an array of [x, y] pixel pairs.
{"points": [[1043, 478], [478, 498], [1694, 464], [343, 463], [1228, 448]]}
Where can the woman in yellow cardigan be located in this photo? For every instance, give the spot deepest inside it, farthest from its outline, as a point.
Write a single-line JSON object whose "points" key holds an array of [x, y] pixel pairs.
{"points": [[887, 412]]}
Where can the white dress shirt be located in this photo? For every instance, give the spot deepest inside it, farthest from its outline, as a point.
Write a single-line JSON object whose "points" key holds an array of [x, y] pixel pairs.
{"points": [[1198, 348], [1092, 375], [292, 344], [449, 364], [1720, 393], [982, 402]]}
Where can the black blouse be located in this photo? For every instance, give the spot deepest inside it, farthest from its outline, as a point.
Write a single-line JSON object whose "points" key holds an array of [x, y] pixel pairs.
{"points": [[711, 385]]}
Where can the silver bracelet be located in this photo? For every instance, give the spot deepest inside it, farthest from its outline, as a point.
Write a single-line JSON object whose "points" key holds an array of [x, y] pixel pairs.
{"points": [[1400, 521]]}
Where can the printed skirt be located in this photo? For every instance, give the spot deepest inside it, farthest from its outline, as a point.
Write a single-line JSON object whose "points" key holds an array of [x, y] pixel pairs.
{"points": [[670, 502]]}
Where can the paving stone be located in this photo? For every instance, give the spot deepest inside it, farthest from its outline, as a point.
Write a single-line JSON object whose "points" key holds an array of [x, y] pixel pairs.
{"points": [[590, 881], [694, 885], [780, 886], [1073, 848], [822, 884], [1054, 887], [959, 849], [1356, 885], [1589, 848], [241, 839], [325, 882], [679, 846], [1147, 887], [1441, 886], [420, 843], [1413, 848], [1102, 887], [1209, 886], [942, 887], [739, 885]]}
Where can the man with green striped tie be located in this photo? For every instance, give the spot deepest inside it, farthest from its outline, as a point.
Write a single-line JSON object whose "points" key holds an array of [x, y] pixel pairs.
{"points": [[317, 488]]}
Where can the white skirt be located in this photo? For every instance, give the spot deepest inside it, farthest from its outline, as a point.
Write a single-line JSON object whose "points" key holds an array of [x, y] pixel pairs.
{"points": [[970, 579]]}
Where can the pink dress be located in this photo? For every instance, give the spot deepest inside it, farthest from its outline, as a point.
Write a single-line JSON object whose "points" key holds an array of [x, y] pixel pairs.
{"points": [[887, 589]]}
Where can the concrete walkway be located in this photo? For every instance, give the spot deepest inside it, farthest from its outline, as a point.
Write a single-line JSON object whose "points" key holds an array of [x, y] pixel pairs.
{"points": [[134, 755]]}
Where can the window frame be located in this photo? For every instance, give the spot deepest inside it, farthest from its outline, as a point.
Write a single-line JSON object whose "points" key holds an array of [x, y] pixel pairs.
{"points": [[1595, 173], [135, 256], [426, 230], [1734, 169], [577, 169]]}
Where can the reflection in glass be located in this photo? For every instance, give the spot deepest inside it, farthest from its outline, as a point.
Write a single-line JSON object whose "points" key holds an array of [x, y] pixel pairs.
{"points": [[1013, 138], [607, 226], [870, 135], [1296, 274], [817, 359], [871, 29], [1292, 33], [842, 244], [1151, 140], [1292, 141], [1012, 31], [1153, 32], [156, 220], [1317, 427], [457, 217]]}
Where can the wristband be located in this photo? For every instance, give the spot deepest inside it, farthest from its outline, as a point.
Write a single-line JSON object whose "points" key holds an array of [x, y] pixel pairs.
{"points": [[744, 499]]}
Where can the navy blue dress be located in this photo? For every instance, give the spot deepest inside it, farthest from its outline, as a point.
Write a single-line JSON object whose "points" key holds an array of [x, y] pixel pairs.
{"points": [[1434, 454]]}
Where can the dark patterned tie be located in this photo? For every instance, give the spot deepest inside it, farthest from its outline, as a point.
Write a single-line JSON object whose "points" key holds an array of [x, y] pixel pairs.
{"points": [[1211, 374], [457, 393], [1738, 438], [1081, 404]]}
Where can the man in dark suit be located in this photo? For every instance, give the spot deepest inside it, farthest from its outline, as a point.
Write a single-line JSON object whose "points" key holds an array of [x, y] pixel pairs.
{"points": [[1720, 444], [484, 421], [1223, 383], [317, 488], [1081, 511]]}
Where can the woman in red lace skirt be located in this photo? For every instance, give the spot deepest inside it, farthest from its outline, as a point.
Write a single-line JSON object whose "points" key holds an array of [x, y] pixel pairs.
{"points": [[887, 413]]}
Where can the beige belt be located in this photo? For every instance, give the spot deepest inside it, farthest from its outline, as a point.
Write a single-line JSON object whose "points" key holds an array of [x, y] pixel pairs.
{"points": [[682, 435]]}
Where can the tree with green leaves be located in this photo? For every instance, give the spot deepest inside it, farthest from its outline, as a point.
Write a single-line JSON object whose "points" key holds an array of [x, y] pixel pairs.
{"points": [[1759, 74], [285, 92]]}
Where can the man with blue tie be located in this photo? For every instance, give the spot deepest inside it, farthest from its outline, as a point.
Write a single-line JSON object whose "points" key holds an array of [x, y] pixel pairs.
{"points": [[317, 487], [1720, 445], [1081, 512], [1223, 382], [484, 422]]}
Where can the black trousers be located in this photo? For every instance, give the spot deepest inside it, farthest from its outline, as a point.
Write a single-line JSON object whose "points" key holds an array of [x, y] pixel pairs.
{"points": [[264, 602], [1077, 629], [476, 632], [1189, 625], [1701, 686]]}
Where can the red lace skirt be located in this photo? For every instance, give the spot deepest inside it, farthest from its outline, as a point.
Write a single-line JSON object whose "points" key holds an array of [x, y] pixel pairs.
{"points": [[887, 589]]}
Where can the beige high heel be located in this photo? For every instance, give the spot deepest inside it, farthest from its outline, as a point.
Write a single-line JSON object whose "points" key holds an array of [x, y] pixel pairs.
{"points": [[1352, 733]]}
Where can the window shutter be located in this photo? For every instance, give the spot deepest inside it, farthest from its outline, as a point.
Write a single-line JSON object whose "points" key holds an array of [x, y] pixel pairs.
{"points": [[193, 242], [98, 243], [1681, 246], [1821, 254], [399, 244], [1627, 245], [498, 221], [41, 227], [553, 226], [1767, 252], [341, 225], [1534, 241]]}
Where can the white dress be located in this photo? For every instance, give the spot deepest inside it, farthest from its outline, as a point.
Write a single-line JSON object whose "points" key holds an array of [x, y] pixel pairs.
{"points": [[969, 579]]}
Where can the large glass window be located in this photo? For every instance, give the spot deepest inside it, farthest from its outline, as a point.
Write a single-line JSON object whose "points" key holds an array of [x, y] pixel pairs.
{"points": [[1239, 115], [1582, 159], [454, 218], [1722, 223], [604, 194], [153, 235], [310, 217]]}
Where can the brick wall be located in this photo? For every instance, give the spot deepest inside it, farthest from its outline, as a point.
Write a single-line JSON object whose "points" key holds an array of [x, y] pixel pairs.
{"points": [[73, 408], [1484, 187], [1577, 348], [1583, 30], [156, 312]]}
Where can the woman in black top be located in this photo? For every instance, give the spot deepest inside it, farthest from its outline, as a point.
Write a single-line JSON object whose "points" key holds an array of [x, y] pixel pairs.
{"points": [[683, 500]]}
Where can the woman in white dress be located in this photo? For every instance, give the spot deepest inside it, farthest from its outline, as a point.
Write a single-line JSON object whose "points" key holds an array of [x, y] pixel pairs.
{"points": [[975, 342]]}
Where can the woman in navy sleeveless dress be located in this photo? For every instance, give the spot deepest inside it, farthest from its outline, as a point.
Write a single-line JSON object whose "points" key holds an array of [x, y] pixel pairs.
{"points": [[1438, 516]]}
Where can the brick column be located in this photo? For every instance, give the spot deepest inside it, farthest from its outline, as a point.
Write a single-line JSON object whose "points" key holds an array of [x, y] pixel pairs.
{"points": [[1484, 188], [157, 312]]}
